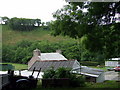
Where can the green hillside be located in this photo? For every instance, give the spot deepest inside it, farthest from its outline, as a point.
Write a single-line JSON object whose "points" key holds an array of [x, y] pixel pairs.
{"points": [[10, 36]]}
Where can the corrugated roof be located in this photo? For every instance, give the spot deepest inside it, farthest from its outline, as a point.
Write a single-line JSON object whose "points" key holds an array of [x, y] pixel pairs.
{"points": [[44, 65], [114, 59], [52, 56], [88, 70]]}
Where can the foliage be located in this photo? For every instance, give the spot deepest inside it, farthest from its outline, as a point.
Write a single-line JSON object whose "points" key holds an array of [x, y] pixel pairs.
{"points": [[22, 51], [75, 81], [5, 20], [50, 73], [23, 23], [97, 27], [62, 73]]}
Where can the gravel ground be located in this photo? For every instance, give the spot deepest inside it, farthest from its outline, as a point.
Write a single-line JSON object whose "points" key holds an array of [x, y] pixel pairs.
{"points": [[112, 75]]}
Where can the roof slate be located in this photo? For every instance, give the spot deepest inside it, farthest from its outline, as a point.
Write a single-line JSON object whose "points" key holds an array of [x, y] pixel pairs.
{"points": [[44, 65], [52, 56]]}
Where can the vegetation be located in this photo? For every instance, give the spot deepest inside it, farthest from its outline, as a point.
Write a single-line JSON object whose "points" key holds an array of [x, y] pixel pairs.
{"points": [[17, 46], [75, 80], [12, 37], [91, 86], [23, 51], [22, 24], [97, 28], [96, 35]]}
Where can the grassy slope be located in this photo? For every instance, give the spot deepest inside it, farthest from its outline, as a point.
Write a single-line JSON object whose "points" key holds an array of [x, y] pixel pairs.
{"points": [[12, 37]]}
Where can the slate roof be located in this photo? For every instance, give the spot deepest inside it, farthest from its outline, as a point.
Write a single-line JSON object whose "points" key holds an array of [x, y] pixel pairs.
{"points": [[89, 71], [44, 65], [46, 57], [52, 56]]}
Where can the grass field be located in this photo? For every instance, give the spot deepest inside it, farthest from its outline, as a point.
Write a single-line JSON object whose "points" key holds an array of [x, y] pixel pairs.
{"points": [[12, 37], [102, 68]]}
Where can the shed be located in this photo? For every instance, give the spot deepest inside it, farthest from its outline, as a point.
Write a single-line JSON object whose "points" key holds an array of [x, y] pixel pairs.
{"points": [[91, 74], [112, 62]]}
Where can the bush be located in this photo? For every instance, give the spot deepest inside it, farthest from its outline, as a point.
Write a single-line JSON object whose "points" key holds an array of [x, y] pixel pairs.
{"points": [[62, 73], [74, 79], [50, 73]]}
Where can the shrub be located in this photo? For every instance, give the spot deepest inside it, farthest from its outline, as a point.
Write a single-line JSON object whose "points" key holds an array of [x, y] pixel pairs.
{"points": [[50, 73], [62, 73], [74, 79]]}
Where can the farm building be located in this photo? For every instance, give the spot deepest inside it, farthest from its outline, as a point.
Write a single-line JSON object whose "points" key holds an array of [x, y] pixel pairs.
{"points": [[91, 74], [44, 65], [38, 56], [57, 60], [112, 62]]}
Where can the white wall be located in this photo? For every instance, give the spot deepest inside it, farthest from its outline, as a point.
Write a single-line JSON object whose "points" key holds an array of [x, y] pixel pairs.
{"points": [[76, 65], [111, 63]]}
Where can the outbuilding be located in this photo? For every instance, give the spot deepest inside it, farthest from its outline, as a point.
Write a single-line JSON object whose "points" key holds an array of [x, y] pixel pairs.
{"points": [[113, 62], [91, 74]]}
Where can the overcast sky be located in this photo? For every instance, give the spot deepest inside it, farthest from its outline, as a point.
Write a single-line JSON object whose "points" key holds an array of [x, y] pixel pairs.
{"points": [[41, 9]]}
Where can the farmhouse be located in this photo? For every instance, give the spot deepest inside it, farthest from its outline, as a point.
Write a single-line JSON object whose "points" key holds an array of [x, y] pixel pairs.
{"points": [[38, 56], [57, 60], [112, 62]]}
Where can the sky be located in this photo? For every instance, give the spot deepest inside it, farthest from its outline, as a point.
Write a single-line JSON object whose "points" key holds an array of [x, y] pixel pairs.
{"points": [[41, 9]]}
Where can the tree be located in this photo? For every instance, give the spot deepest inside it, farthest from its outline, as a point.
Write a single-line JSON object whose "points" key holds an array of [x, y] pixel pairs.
{"points": [[5, 20], [38, 21], [22, 24], [98, 25]]}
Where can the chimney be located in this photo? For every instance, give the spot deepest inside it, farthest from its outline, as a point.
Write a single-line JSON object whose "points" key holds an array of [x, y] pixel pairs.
{"points": [[58, 51], [36, 52]]}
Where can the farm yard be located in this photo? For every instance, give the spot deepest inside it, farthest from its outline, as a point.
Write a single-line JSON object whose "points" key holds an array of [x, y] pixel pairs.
{"points": [[106, 84], [79, 49]]}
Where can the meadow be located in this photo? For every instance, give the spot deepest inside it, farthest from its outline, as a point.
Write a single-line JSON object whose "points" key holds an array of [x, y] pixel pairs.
{"points": [[10, 36]]}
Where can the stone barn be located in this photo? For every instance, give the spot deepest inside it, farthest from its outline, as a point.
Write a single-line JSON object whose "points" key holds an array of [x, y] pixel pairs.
{"points": [[38, 56], [57, 60], [47, 60]]}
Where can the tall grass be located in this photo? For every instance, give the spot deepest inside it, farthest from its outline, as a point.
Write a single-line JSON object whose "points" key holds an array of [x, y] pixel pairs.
{"points": [[10, 36]]}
